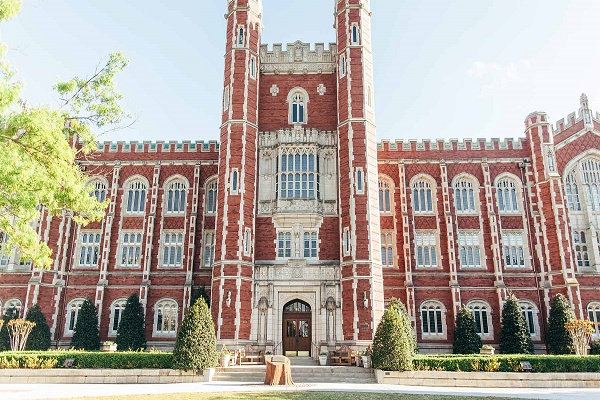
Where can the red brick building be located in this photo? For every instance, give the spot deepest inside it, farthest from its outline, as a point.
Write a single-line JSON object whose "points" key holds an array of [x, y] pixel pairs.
{"points": [[301, 226]]}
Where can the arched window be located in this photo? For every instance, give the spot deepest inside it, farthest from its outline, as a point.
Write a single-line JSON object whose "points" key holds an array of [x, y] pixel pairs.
{"points": [[422, 196], [240, 36], [572, 192], [342, 66], [483, 318], [507, 193], [530, 313], [209, 249], [581, 249], [165, 317], [116, 312], [385, 197], [211, 196], [591, 179], [253, 67], [176, 195], [433, 319], [298, 174], [72, 313], [465, 195], [551, 162], [298, 103], [14, 304], [387, 250], [297, 306], [354, 35], [593, 310], [98, 189], [136, 196], [234, 181]]}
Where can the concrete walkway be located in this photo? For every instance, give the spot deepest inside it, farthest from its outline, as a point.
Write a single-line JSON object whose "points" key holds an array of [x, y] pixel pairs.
{"points": [[65, 391]]}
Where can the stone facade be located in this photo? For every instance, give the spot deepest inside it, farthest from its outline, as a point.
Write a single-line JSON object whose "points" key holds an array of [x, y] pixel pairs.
{"points": [[297, 210]]}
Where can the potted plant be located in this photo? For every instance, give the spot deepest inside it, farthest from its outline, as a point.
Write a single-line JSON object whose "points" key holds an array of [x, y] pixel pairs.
{"points": [[225, 356], [487, 349], [109, 346], [323, 358], [366, 358]]}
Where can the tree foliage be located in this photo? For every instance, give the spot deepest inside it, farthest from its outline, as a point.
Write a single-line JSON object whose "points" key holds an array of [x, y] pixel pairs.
{"points": [[131, 334], [10, 314], [581, 332], [200, 292], [559, 339], [86, 335], [196, 344], [466, 339], [39, 338], [394, 343], [514, 335], [37, 161]]}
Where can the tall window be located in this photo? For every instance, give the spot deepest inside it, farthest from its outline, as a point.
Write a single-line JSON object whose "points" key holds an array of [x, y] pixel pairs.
{"points": [[165, 317], [572, 192], [253, 67], [342, 66], [234, 181], [354, 37], [284, 244], [385, 197], [131, 249], [422, 197], [387, 250], [136, 197], [176, 194], [482, 317], [469, 249], [98, 190], [298, 177], [432, 318], [465, 195], [116, 312], [593, 310], [513, 247], [240, 36], [211, 197], [209, 248], [530, 314], [72, 313], [347, 244], [89, 248], [360, 181], [310, 244], [172, 249], [425, 249], [581, 249], [591, 178], [298, 109], [247, 241], [507, 196]]}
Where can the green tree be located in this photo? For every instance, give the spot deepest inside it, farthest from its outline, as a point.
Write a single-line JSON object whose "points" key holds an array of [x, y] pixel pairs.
{"points": [[131, 334], [39, 338], [196, 344], [514, 334], [393, 345], [559, 339], [38, 164], [200, 292], [10, 314], [466, 339], [86, 335]]}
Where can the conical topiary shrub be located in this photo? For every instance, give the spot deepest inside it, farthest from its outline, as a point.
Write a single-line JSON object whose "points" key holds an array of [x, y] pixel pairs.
{"points": [[86, 335], [514, 335], [196, 344], [39, 338], [393, 346], [559, 339], [466, 339], [131, 333], [10, 314]]}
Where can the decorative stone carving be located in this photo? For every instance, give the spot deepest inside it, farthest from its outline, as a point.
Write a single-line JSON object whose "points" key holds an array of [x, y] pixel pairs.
{"points": [[274, 90], [297, 270], [321, 89], [298, 58]]}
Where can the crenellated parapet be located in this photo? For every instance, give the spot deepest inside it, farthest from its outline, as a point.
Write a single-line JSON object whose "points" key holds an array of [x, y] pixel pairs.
{"points": [[298, 58], [158, 147], [584, 117], [453, 145]]}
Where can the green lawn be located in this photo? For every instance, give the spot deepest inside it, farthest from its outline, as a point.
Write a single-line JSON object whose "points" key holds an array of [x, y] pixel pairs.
{"points": [[291, 396]]}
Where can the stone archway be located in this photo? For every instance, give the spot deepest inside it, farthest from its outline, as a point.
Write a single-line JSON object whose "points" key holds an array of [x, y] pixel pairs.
{"points": [[297, 329]]}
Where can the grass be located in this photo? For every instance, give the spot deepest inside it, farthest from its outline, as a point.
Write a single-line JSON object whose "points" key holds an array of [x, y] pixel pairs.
{"points": [[267, 395]]}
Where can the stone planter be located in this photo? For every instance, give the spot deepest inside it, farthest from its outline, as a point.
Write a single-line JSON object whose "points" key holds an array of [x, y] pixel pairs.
{"points": [[323, 360], [487, 351], [225, 359], [366, 361], [110, 347]]}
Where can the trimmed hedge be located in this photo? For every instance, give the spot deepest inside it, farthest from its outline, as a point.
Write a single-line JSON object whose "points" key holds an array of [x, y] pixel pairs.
{"points": [[508, 363], [86, 359]]}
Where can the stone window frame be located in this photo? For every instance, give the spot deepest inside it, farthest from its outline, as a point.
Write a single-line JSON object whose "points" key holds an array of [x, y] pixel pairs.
{"points": [[253, 67], [571, 185], [211, 186], [120, 305], [80, 245], [13, 302], [481, 305], [478, 248], [416, 184], [310, 248], [159, 307], [529, 309], [347, 245], [429, 233], [240, 36], [177, 245], [70, 317], [234, 182], [291, 101], [359, 177], [119, 255], [386, 247], [434, 305], [140, 208], [343, 66], [281, 237], [299, 178], [170, 186], [507, 234], [387, 204], [247, 241], [355, 34], [461, 179], [98, 186], [593, 311], [502, 183], [208, 249]]}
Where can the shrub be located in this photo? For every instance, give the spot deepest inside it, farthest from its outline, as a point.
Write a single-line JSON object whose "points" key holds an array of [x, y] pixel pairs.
{"points": [[196, 344], [97, 360], [514, 335], [466, 339], [559, 339], [393, 346], [131, 333], [10, 314], [595, 348], [39, 338], [86, 335]]}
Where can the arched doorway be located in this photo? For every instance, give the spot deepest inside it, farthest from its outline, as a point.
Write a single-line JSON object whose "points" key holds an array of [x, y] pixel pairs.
{"points": [[297, 325]]}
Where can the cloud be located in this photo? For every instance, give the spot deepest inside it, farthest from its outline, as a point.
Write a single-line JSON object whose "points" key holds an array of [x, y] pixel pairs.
{"points": [[495, 76]]}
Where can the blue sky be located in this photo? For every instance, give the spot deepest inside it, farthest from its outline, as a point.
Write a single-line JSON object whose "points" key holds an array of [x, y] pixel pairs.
{"points": [[443, 69]]}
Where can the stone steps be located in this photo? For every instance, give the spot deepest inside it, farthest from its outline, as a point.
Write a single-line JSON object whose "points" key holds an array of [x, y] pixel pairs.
{"points": [[300, 374]]}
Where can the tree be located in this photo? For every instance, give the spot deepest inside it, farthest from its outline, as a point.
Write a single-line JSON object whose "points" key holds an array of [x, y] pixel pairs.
{"points": [[10, 314], [86, 335], [18, 332], [581, 331], [466, 339], [200, 292], [39, 338], [131, 334], [393, 346], [514, 335], [196, 344], [38, 164], [559, 339]]}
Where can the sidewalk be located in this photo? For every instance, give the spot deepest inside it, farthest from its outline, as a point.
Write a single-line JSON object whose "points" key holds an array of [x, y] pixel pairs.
{"points": [[64, 391]]}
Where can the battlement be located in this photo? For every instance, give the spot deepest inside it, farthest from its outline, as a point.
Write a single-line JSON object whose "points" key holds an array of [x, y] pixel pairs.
{"points": [[158, 147], [298, 136], [480, 144], [298, 58], [572, 119]]}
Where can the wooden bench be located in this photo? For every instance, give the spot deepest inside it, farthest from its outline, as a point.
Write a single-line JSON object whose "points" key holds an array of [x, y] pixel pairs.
{"points": [[344, 356], [250, 355]]}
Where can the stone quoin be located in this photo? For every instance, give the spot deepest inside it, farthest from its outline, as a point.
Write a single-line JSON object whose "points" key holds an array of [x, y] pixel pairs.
{"points": [[300, 226]]}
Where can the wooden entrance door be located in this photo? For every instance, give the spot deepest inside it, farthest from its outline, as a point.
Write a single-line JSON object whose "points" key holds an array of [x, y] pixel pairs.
{"points": [[297, 321]]}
